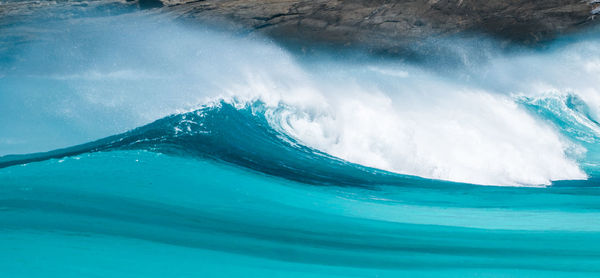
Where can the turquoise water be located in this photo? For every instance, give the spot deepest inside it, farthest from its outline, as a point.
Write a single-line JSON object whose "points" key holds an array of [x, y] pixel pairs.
{"points": [[143, 213], [133, 146], [156, 202]]}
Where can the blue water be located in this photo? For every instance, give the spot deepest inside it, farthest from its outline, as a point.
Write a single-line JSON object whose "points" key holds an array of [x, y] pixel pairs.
{"points": [[205, 154]]}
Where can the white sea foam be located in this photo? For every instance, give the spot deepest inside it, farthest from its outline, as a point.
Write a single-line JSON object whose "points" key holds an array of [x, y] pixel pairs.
{"points": [[435, 130]]}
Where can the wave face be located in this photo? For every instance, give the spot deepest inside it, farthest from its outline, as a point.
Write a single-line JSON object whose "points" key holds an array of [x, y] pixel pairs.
{"points": [[235, 157], [241, 136]]}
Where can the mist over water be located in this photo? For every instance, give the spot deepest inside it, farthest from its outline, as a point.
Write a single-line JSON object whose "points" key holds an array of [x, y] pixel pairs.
{"points": [[466, 121]]}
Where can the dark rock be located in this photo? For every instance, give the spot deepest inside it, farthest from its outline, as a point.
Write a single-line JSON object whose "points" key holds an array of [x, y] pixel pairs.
{"points": [[380, 26], [390, 26]]}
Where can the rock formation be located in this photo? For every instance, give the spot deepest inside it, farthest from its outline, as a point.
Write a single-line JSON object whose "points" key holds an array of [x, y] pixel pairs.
{"points": [[388, 25]]}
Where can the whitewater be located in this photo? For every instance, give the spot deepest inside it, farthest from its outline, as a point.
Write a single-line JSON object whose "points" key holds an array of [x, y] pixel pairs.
{"points": [[133, 143]]}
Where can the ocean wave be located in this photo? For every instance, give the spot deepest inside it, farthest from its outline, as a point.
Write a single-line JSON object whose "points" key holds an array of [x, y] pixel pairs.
{"points": [[270, 140], [474, 122]]}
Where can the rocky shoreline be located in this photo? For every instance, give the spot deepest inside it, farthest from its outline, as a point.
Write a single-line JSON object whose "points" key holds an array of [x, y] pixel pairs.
{"points": [[378, 26], [391, 26]]}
